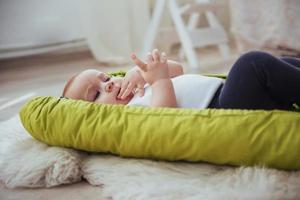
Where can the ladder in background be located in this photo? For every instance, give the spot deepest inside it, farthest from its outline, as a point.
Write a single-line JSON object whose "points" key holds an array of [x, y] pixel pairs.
{"points": [[190, 36]]}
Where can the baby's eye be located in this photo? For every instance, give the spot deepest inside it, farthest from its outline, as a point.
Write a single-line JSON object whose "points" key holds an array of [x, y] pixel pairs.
{"points": [[97, 95], [108, 78]]}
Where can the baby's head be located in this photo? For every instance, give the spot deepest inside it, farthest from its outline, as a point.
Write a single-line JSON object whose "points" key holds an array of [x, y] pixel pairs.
{"points": [[95, 86]]}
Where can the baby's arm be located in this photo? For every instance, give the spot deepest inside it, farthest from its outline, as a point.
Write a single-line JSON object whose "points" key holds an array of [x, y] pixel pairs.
{"points": [[156, 73], [163, 94]]}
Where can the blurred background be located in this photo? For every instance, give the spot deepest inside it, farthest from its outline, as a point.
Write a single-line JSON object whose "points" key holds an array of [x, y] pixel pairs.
{"points": [[43, 43]]}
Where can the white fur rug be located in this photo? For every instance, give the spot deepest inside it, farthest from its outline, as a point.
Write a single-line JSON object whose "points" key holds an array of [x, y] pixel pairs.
{"points": [[25, 162]]}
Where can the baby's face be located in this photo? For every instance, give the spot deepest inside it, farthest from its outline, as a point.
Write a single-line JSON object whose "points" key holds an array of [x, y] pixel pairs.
{"points": [[95, 86]]}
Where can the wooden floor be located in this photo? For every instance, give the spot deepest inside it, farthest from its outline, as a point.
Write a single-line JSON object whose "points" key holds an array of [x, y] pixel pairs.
{"points": [[22, 78]]}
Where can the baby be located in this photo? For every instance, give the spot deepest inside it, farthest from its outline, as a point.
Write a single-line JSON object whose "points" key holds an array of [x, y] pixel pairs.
{"points": [[159, 82], [257, 80]]}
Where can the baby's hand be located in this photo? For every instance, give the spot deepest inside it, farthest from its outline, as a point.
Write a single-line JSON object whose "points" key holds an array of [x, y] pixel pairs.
{"points": [[132, 80], [156, 68]]}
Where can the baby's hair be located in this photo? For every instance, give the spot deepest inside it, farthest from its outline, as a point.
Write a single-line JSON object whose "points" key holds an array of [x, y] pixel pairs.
{"points": [[68, 84]]}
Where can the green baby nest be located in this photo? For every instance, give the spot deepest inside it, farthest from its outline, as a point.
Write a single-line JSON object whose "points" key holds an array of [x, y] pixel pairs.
{"points": [[233, 137]]}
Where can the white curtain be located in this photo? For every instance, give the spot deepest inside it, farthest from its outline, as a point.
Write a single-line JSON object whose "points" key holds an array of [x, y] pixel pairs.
{"points": [[114, 29]]}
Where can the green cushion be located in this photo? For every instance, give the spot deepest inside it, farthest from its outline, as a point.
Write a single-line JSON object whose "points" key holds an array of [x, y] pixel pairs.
{"points": [[234, 137]]}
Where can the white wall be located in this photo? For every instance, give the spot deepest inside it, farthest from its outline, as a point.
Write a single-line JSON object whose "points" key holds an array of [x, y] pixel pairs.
{"points": [[34, 23]]}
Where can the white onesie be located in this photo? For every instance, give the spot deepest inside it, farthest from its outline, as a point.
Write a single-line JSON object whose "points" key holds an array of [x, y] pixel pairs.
{"points": [[191, 90]]}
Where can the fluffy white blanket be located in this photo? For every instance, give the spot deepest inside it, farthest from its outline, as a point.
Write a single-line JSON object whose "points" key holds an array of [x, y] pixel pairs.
{"points": [[25, 162]]}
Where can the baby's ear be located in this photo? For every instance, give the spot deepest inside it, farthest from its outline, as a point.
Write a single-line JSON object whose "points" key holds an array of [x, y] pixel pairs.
{"points": [[101, 76]]}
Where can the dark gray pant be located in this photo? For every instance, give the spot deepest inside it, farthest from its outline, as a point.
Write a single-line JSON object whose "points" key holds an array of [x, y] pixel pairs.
{"points": [[259, 80]]}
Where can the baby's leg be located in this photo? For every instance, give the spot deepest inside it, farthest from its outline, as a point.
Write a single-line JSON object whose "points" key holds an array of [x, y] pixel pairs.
{"points": [[259, 80], [292, 61]]}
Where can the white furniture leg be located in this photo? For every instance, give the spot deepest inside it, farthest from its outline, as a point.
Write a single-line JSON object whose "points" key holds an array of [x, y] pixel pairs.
{"points": [[213, 22], [185, 39], [189, 35], [192, 25], [151, 34]]}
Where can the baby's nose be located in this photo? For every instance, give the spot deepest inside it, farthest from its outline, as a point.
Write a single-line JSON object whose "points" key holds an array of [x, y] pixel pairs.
{"points": [[109, 86]]}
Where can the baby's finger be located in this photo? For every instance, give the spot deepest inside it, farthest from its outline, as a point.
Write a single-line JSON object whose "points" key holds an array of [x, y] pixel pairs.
{"points": [[155, 54], [141, 91], [123, 88], [138, 62], [149, 58], [163, 57], [128, 90]]}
